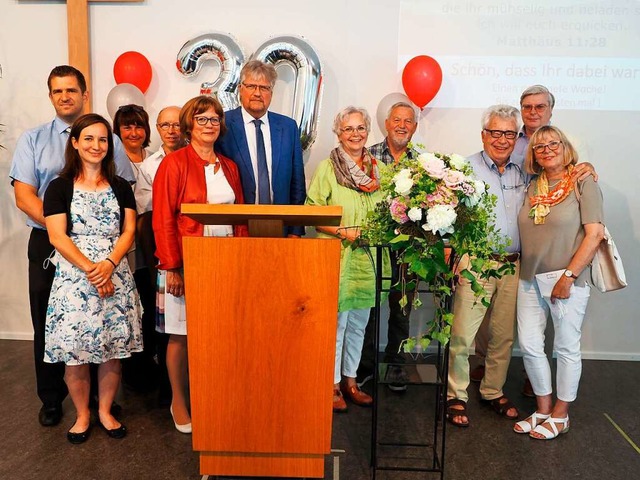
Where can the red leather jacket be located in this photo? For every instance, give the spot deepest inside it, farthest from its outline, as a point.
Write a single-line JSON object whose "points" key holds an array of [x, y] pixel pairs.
{"points": [[180, 179]]}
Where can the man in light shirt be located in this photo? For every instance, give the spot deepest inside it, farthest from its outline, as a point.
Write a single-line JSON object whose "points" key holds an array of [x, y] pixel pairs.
{"points": [[37, 159]]}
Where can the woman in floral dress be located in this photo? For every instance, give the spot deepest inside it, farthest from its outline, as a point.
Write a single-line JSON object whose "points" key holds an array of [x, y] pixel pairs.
{"points": [[94, 311]]}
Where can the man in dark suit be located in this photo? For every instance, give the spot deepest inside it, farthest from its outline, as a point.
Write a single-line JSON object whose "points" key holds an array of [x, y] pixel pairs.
{"points": [[265, 145]]}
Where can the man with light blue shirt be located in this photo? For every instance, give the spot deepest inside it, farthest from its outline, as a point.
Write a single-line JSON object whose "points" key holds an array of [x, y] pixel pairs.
{"points": [[503, 172], [38, 158]]}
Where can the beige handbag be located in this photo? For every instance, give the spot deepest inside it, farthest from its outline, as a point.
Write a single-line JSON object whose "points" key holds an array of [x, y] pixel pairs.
{"points": [[607, 271]]}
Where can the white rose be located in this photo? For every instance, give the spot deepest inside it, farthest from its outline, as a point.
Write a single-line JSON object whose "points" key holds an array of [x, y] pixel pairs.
{"points": [[440, 219], [457, 161], [415, 214], [434, 166], [403, 181]]}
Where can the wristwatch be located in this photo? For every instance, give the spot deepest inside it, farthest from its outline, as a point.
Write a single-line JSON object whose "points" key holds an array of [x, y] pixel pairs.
{"points": [[570, 274]]}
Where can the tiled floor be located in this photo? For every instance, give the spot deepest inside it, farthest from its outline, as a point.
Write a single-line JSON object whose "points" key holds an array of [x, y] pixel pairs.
{"points": [[487, 450]]}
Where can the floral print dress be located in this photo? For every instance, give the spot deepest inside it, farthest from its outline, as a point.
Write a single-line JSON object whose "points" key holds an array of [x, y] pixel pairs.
{"points": [[81, 327]]}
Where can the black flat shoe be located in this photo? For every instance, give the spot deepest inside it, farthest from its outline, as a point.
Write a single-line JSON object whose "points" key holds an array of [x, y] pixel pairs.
{"points": [[118, 433], [50, 416], [80, 437]]}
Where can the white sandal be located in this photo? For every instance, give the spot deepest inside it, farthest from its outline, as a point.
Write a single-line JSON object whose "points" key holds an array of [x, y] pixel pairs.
{"points": [[554, 432], [531, 422]]}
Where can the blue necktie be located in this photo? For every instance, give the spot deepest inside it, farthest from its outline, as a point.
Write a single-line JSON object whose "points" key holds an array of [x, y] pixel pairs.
{"points": [[264, 188]]}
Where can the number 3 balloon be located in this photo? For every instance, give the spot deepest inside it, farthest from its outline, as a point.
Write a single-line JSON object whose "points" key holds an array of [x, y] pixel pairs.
{"points": [[223, 49]]}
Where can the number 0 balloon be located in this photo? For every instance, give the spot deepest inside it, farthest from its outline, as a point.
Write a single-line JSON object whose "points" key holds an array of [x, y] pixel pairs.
{"points": [[308, 88]]}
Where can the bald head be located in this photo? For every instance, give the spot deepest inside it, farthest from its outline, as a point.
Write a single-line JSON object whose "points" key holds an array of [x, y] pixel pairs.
{"points": [[168, 126]]}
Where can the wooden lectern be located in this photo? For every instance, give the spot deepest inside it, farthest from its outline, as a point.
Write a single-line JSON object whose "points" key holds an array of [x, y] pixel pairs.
{"points": [[261, 323]]}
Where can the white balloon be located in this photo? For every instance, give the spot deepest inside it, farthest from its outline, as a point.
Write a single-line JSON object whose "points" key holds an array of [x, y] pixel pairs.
{"points": [[123, 94], [386, 103]]}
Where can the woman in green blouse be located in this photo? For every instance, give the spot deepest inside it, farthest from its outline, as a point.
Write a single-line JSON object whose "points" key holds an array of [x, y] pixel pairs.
{"points": [[350, 178]]}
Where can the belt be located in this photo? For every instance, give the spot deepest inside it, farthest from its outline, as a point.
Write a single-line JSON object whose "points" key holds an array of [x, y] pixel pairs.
{"points": [[509, 257]]}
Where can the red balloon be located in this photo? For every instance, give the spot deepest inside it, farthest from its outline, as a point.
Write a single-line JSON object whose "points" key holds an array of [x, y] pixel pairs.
{"points": [[421, 79], [133, 68]]}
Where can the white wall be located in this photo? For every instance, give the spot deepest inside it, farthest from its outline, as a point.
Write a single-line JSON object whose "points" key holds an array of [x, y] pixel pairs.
{"points": [[358, 43]]}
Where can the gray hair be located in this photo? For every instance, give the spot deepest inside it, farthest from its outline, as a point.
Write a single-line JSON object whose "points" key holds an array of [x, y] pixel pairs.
{"points": [[350, 110], [402, 104], [506, 112], [256, 68], [535, 90]]}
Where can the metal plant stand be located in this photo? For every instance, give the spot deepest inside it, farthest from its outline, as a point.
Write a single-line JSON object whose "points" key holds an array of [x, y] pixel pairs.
{"points": [[431, 451]]}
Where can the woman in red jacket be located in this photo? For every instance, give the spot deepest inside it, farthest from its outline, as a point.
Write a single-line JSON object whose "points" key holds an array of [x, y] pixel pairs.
{"points": [[193, 174]]}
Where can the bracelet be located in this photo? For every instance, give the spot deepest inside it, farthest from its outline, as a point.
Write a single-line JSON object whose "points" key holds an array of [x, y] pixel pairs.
{"points": [[111, 262]]}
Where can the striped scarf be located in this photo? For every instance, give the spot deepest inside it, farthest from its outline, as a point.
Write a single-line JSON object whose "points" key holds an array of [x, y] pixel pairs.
{"points": [[350, 175]]}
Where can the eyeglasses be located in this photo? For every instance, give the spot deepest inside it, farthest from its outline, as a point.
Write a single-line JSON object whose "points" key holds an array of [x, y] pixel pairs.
{"points": [[252, 87], [553, 146], [351, 130], [508, 134], [166, 126], [202, 121], [538, 108]]}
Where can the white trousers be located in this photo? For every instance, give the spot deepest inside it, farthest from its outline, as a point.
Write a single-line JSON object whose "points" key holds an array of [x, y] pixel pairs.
{"points": [[533, 311], [349, 340]]}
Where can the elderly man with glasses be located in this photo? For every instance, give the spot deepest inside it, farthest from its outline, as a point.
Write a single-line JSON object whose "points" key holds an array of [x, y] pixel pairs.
{"points": [[265, 145], [536, 106], [497, 166]]}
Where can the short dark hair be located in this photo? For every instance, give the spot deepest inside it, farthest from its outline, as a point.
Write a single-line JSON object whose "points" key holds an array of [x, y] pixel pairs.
{"points": [[67, 71], [132, 114], [72, 163], [196, 106]]}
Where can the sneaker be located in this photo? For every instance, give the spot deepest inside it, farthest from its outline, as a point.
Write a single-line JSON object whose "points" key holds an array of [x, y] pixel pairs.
{"points": [[361, 380], [397, 378]]}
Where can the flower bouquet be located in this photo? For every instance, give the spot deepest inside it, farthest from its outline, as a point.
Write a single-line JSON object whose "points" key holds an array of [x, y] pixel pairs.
{"points": [[435, 212]]}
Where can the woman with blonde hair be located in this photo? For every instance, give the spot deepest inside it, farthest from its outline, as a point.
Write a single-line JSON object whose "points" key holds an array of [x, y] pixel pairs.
{"points": [[561, 226]]}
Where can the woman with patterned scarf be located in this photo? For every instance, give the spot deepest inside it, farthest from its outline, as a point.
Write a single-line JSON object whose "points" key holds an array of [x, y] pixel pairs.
{"points": [[561, 226], [350, 178]]}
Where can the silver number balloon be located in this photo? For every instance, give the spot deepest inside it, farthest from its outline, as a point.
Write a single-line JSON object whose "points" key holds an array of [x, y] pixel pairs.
{"points": [[308, 85], [223, 49]]}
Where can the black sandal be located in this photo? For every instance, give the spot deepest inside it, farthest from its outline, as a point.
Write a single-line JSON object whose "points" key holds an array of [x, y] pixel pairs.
{"points": [[457, 412], [502, 407]]}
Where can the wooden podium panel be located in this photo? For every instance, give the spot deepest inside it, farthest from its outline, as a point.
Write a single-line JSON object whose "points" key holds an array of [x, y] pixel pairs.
{"points": [[261, 334]]}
